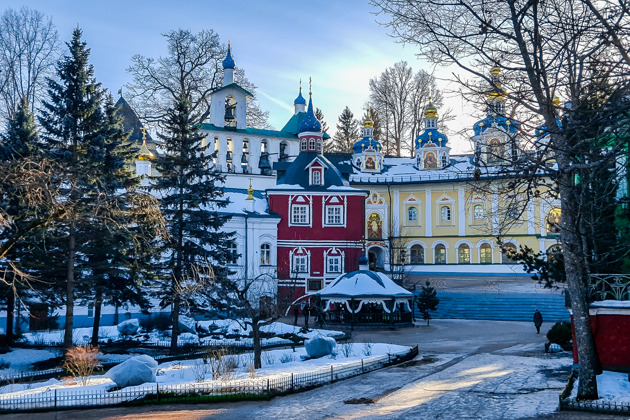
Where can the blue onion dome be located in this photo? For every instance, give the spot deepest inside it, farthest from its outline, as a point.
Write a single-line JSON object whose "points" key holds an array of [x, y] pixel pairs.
{"points": [[310, 123], [300, 99], [431, 135], [367, 142], [228, 63], [363, 259], [507, 124]]}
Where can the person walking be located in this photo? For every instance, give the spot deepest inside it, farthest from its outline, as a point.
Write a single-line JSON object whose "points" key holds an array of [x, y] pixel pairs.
{"points": [[296, 313], [538, 320], [305, 310]]}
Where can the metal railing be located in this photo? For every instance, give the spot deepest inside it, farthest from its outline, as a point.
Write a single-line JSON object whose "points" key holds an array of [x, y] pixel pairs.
{"points": [[263, 388], [610, 286]]}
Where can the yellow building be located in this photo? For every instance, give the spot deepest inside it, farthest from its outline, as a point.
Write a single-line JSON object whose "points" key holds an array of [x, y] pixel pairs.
{"points": [[453, 215]]}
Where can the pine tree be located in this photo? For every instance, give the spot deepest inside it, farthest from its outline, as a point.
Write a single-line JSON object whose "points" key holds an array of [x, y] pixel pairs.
{"points": [[18, 146], [189, 199], [347, 132], [427, 301], [325, 129]]}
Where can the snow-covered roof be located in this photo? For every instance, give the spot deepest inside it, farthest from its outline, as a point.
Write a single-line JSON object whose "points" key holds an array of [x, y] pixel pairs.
{"points": [[363, 284]]}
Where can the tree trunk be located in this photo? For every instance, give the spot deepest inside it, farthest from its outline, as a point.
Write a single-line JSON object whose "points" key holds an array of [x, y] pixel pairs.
{"points": [[175, 320], [257, 345], [577, 284], [10, 310], [67, 338], [98, 304]]}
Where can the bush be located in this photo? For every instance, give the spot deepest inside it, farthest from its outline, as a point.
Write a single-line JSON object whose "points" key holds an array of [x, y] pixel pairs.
{"points": [[159, 321], [81, 361], [560, 334]]}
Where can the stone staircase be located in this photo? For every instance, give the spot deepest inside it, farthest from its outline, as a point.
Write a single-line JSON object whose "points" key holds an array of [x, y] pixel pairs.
{"points": [[499, 306]]}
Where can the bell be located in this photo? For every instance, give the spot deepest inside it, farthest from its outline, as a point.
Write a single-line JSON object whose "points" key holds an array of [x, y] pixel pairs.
{"points": [[244, 158], [229, 113]]}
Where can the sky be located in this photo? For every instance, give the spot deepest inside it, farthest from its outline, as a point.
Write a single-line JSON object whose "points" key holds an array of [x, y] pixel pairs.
{"points": [[338, 44]]}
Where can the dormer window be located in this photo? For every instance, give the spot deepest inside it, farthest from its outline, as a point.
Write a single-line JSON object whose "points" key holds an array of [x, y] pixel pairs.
{"points": [[317, 178]]}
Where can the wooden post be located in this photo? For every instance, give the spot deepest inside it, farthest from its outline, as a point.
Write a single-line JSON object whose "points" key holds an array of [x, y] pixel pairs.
{"points": [[157, 392], [55, 399], [292, 381], [362, 367], [331, 373]]}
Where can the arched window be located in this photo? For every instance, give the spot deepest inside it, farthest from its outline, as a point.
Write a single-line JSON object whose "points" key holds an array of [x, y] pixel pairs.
{"points": [[319, 145], [553, 221], [478, 212], [444, 161], [303, 145], [507, 252], [463, 254], [311, 144], [485, 254], [232, 257], [440, 254], [412, 214], [445, 213], [265, 254], [416, 254]]}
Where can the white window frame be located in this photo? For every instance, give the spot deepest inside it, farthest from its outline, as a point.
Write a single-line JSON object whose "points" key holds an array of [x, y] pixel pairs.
{"points": [[415, 219], [265, 254], [331, 216], [300, 214], [448, 213], [331, 262], [233, 251], [316, 178], [299, 264], [479, 216]]}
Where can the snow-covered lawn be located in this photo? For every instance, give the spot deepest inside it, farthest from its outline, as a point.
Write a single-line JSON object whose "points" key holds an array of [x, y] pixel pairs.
{"points": [[197, 373], [218, 328], [612, 387], [21, 360]]}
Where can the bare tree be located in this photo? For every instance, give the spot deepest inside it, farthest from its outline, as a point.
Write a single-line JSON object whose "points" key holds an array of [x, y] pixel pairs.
{"points": [[28, 52], [192, 69], [399, 97], [546, 49]]}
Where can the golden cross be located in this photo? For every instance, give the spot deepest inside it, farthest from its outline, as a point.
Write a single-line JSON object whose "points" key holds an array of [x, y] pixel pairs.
{"points": [[144, 133]]}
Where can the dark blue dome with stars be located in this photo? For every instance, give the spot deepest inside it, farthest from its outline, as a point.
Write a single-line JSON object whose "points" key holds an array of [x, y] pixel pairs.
{"points": [[228, 63], [365, 143], [310, 123]]}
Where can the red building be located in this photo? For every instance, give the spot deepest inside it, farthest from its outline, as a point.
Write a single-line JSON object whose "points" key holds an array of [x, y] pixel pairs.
{"points": [[320, 235]]}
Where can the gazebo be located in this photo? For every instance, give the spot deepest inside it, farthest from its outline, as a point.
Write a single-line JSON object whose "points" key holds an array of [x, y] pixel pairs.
{"points": [[365, 297]]}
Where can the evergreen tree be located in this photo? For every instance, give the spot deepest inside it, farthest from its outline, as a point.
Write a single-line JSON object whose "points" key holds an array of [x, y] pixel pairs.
{"points": [[189, 199], [347, 132], [427, 301], [18, 146], [111, 251], [320, 117]]}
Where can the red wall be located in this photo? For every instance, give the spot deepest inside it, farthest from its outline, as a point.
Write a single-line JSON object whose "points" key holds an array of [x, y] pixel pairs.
{"points": [[612, 339]]}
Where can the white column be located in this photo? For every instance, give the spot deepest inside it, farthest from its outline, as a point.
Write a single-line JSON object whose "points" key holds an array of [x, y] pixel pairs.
{"points": [[428, 206], [396, 222], [237, 144], [531, 218], [254, 155], [222, 153], [461, 206], [543, 225], [495, 212]]}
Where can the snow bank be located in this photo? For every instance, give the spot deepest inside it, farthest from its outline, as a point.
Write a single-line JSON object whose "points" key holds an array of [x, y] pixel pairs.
{"points": [[135, 371]]}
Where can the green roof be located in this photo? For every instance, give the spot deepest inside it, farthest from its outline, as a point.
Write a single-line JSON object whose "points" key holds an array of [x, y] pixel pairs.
{"points": [[294, 122], [234, 85]]}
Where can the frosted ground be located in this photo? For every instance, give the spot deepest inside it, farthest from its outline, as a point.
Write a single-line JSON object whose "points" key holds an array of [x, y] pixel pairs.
{"points": [[465, 369]]}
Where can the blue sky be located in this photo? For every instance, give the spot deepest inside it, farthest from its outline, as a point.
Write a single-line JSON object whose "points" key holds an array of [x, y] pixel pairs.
{"points": [[337, 43]]}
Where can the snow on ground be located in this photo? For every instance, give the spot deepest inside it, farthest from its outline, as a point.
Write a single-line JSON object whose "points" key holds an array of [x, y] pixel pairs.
{"points": [[82, 336], [611, 386], [21, 360], [275, 363]]}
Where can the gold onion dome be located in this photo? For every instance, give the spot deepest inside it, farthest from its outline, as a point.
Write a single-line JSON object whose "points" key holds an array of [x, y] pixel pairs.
{"points": [[556, 101], [368, 123], [431, 110]]}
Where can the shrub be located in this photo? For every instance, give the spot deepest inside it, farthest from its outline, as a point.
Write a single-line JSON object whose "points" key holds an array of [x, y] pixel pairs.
{"points": [[81, 361], [159, 321], [367, 349], [346, 348], [286, 358], [560, 333], [268, 358], [200, 370]]}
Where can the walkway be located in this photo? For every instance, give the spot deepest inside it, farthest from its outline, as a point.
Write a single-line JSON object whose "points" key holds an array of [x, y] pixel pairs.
{"points": [[466, 369]]}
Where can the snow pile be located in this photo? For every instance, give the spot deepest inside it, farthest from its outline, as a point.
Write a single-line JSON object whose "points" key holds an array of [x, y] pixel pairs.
{"points": [[129, 327], [135, 371], [555, 348], [187, 325], [320, 346], [612, 387]]}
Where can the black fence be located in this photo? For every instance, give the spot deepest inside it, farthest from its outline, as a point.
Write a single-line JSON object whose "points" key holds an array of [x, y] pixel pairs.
{"points": [[263, 388]]}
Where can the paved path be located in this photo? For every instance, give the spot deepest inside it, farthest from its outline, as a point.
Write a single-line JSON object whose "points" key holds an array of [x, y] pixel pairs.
{"points": [[465, 370]]}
